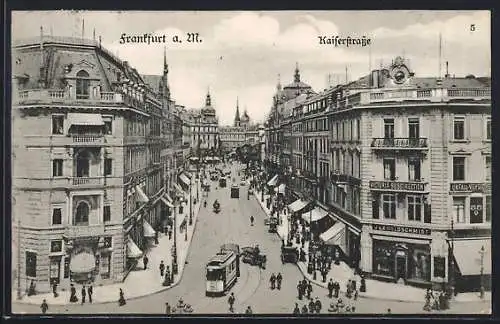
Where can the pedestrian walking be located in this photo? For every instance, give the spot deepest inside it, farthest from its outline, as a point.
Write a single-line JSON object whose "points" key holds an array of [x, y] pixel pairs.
{"points": [[168, 309], [156, 237], [121, 300], [317, 305], [84, 293], [309, 290], [162, 268], [145, 260], [272, 280], [248, 311], [304, 309], [72, 296], [330, 287], [231, 301], [300, 290], [324, 272], [356, 295], [296, 309], [44, 307], [251, 220], [312, 306], [279, 278], [336, 287], [170, 233], [303, 239], [90, 291], [54, 290]]}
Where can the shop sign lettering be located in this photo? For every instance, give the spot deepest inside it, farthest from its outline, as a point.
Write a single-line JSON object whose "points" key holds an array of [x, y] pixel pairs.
{"points": [[397, 186], [470, 187], [401, 229]]}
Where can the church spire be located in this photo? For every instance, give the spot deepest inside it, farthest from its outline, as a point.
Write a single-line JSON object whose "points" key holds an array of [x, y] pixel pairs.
{"points": [[165, 65], [237, 116], [208, 100], [164, 88], [297, 73]]}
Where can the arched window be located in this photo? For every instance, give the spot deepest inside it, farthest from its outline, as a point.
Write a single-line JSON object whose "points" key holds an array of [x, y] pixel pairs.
{"points": [[82, 213], [82, 85], [83, 164]]}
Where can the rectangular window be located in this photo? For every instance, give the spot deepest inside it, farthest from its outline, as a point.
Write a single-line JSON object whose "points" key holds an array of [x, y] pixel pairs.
{"points": [[57, 216], [56, 246], [476, 210], [487, 169], [389, 206], [108, 163], [459, 209], [459, 128], [389, 169], [458, 168], [30, 264], [414, 208], [414, 169], [108, 242], [487, 211], [413, 128], [488, 128], [57, 168], [57, 125], [389, 128], [107, 214], [358, 129], [108, 126]]}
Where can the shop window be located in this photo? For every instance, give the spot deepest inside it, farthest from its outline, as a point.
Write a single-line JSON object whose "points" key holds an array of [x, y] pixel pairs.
{"points": [[390, 169], [57, 216], [439, 267], [476, 210], [57, 124], [487, 211], [420, 264], [389, 206], [459, 128], [459, 209], [55, 246], [389, 128], [55, 269], [107, 214], [414, 208], [414, 169], [57, 168], [383, 259], [30, 264], [458, 168]]}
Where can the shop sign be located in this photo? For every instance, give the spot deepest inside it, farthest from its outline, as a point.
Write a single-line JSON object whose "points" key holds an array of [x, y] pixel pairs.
{"points": [[401, 229], [397, 186], [470, 187]]}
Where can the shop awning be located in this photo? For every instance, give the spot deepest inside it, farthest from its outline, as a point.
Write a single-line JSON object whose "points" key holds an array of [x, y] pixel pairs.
{"points": [[188, 174], [184, 179], [297, 205], [179, 189], [166, 202], [133, 250], [335, 235], [141, 196], [468, 256], [82, 119], [280, 189], [273, 181], [148, 230], [314, 215], [83, 262]]}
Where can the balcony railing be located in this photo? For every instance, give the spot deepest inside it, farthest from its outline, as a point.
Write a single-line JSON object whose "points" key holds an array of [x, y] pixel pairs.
{"points": [[88, 139], [58, 96], [399, 143], [87, 181], [84, 230]]}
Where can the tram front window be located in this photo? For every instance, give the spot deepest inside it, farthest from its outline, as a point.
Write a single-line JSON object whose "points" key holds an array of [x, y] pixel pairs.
{"points": [[215, 274]]}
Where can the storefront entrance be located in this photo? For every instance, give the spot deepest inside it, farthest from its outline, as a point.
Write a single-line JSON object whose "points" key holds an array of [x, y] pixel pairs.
{"points": [[401, 265]]}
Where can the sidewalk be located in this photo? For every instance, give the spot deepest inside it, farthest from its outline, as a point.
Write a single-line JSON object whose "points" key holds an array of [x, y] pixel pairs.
{"points": [[139, 282], [374, 289]]}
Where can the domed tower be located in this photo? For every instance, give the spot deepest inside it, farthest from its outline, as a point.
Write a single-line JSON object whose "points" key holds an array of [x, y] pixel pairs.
{"points": [[245, 119]]}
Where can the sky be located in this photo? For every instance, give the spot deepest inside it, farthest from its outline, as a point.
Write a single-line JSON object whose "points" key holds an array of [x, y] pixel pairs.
{"points": [[243, 54]]}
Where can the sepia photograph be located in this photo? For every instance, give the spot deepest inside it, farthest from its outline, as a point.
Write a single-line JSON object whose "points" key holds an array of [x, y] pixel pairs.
{"points": [[246, 163]]}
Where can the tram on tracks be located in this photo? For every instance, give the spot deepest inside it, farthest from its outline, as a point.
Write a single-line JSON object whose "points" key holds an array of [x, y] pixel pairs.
{"points": [[223, 270]]}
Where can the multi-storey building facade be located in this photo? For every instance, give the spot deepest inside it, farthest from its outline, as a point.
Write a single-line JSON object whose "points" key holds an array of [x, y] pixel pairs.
{"points": [[405, 164], [87, 174]]}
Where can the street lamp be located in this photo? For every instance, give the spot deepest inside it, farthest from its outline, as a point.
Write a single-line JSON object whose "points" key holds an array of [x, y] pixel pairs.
{"points": [[481, 289], [174, 252]]}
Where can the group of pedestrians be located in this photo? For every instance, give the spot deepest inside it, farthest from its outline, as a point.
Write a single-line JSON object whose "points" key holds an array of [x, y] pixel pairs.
{"points": [[313, 307], [276, 281], [84, 293], [436, 300], [304, 288]]}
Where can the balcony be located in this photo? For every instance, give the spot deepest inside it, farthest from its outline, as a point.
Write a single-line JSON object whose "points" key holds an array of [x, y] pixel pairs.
{"points": [[402, 143], [399, 186], [88, 139], [87, 181], [63, 96], [77, 231], [338, 178]]}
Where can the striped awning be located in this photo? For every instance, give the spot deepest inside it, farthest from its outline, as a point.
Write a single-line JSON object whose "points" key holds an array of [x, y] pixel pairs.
{"points": [[297, 205], [335, 235], [82, 119], [148, 230], [314, 215], [166, 202], [184, 179], [179, 189], [83, 262], [141, 196], [133, 250], [468, 256], [280, 189]]}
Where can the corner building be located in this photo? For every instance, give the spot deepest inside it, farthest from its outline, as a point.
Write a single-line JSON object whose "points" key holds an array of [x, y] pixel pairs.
{"points": [[87, 177]]}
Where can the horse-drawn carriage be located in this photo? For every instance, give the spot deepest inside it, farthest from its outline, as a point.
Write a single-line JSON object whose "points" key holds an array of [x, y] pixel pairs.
{"points": [[252, 256], [289, 254]]}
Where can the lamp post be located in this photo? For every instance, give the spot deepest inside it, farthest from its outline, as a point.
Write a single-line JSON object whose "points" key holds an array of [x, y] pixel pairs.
{"points": [[190, 205], [452, 261], [481, 288], [174, 252]]}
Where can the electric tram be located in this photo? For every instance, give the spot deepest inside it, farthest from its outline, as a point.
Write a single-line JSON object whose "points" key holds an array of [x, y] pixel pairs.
{"points": [[223, 270]]}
